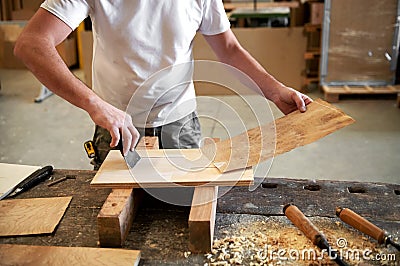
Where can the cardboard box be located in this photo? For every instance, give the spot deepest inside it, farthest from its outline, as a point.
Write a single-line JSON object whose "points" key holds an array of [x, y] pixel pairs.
{"points": [[87, 54], [8, 36], [68, 50], [316, 13], [22, 14], [31, 4], [283, 57]]}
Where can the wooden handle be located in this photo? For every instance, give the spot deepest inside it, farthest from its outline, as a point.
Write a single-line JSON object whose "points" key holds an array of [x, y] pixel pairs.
{"points": [[361, 224], [303, 223]]}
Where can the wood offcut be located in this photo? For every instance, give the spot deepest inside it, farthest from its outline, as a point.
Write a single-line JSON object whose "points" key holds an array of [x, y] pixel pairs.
{"points": [[284, 134], [31, 216], [51, 255]]}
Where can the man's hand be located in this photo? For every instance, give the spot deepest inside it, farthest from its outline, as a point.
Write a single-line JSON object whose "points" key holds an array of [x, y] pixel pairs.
{"points": [[289, 100], [118, 123]]}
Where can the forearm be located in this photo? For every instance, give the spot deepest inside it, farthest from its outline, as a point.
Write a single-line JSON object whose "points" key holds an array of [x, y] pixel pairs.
{"points": [[43, 60]]}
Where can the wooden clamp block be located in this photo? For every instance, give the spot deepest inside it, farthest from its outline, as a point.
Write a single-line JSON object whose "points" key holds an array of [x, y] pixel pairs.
{"points": [[202, 219], [116, 216]]}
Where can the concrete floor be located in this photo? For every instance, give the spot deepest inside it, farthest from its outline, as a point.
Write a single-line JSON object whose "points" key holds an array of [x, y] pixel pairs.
{"points": [[53, 132]]}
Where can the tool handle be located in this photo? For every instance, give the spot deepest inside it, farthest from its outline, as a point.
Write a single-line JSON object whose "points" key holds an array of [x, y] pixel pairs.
{"points": [[361, 224], [35, 178], [303, 223]]}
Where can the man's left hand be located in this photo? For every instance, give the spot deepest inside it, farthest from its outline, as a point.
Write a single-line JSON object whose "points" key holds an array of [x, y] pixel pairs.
{"points": [[289, 100]]}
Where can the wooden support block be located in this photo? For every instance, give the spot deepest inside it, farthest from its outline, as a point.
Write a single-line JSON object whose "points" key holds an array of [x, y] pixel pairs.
{"points": [[116, 216], [202, 219]]}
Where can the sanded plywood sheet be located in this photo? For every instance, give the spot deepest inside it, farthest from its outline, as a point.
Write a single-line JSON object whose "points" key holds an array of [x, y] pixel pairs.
{"points": [[50, 255], [12, 174], [31, 216], [166, 168], [284, 134]]}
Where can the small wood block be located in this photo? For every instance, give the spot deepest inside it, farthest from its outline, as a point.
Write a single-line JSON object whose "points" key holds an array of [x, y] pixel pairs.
{"points": [[331, 97], [50, 255], [148, 143], [202, 219], [116, 216]]}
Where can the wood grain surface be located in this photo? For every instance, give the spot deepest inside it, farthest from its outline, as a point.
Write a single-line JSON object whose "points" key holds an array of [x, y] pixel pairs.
{"points": [[284, 134], [31, 216], [202, 219], [166, 168], [50, 255]]}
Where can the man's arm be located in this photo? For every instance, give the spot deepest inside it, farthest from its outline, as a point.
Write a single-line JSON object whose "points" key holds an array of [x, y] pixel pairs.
{"points": [[36, 47], [229, 51]]}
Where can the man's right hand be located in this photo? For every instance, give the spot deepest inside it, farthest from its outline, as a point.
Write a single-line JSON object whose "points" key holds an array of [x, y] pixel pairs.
{"points": [[118, 123]]}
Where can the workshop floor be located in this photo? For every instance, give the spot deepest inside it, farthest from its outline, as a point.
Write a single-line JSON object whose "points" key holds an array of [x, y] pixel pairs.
{"points": [[53, 132]]}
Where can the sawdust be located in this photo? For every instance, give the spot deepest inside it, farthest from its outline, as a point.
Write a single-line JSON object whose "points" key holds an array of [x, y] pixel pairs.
{"points": [[272, 242]]}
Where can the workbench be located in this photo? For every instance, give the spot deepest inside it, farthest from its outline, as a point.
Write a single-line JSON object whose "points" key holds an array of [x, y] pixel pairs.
{"points": [[160, 230]]}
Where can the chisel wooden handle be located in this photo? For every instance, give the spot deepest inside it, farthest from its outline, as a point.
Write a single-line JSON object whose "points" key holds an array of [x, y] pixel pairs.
{"points": [[361, 224], [303, 223]]}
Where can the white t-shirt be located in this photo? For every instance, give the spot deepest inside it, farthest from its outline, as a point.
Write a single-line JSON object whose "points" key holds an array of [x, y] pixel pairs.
{"points": [[135, 39]]}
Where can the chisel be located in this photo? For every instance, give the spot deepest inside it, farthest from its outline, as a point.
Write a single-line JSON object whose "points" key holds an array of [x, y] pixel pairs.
{"points": [[363, 225], [311, 231]]}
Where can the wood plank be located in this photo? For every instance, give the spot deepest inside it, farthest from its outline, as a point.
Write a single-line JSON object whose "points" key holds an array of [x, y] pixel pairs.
{"points": [[280, 136], [202, 219], [31, 216], [50, 255], [332, 93], [119, 210], [116, 216], [162, 170]]}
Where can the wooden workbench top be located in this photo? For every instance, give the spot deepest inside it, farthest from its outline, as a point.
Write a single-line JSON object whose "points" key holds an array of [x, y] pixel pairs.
{"points": [[160, 230]]}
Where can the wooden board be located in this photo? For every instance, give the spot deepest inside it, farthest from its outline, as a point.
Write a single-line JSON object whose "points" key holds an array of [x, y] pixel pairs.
{"points": [[332, 93], [161, 168], [50, 255], [31, 216], [202, 219], [284, 134], [12, 174]]}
